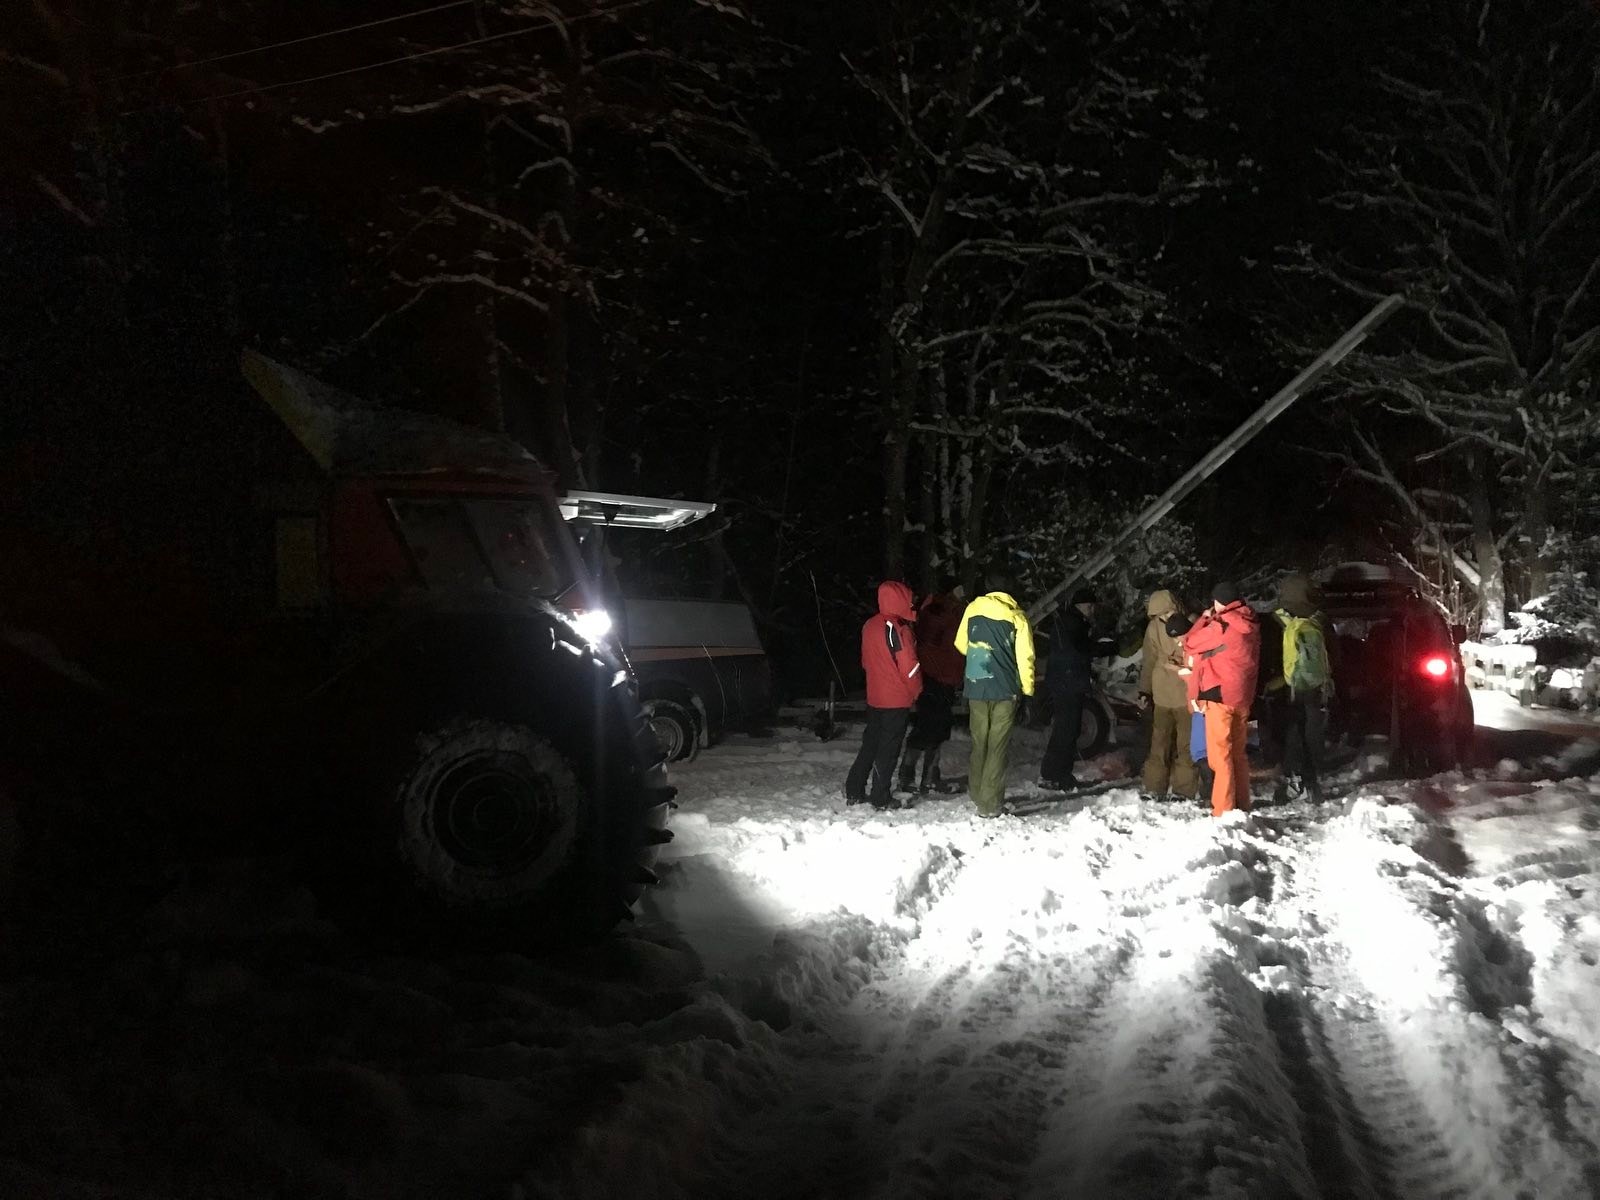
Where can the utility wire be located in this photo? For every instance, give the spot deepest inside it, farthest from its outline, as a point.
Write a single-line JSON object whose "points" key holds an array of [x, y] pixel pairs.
{"points": [[389, 62], [310, 37]]}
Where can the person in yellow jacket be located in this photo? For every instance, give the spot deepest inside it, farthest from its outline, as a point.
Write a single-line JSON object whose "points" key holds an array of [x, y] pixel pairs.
{"points": [[998, 642]]}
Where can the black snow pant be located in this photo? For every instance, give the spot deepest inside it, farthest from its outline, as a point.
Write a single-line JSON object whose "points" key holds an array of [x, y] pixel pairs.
{"points": [[1061, 752], [931, 725], [880, 750], [1305, 726]]}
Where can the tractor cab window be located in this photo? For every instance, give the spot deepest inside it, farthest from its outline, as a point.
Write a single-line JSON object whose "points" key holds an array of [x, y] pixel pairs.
{"points": [[442, 544], [523, 542], [475, 545]]}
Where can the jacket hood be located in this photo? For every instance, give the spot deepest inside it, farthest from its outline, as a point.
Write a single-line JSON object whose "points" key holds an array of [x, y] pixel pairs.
{"points": [[1162, 604], [894, 600], [1294, 596]]}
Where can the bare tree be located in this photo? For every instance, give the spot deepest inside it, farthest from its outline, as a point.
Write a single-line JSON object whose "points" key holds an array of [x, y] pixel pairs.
{"points": [[596, 118], [1002, 188], [1477, 193]]}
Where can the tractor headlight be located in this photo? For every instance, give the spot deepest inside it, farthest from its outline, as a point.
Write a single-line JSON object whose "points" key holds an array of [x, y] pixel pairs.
{"points": [[592, 625]]}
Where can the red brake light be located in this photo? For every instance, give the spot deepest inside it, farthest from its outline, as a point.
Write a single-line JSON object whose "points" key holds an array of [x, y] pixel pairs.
{"points": [[1436, 666]]}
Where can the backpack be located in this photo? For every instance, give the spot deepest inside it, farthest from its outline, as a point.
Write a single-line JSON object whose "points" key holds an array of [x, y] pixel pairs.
{"points": [[1305, 653]]}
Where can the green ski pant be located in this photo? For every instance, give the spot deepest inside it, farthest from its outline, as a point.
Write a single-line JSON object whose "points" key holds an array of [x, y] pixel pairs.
{"points": [[991, 722]]}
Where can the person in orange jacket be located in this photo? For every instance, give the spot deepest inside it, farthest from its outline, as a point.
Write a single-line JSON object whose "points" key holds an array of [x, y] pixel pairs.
{"points": [[1225, 652], [894, 681]]}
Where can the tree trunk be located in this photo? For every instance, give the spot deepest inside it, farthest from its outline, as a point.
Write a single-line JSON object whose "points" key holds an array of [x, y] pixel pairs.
{"points": [[896, 460], [1536, 522], [972, 531], [888, 396], [558, 421], [720, 564], [928, 566], [1485, 549], [491, 376]]}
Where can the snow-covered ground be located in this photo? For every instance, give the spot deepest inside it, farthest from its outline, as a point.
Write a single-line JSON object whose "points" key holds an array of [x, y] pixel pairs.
{"points": [[1390, 996]]}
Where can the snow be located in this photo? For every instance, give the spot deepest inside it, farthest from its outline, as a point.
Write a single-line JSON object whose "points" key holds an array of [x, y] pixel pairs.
{"points": [[1392, 994]]}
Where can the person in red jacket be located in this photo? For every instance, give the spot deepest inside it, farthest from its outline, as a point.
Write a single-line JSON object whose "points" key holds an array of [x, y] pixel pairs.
{"points": [[943, 667], [894, 681], [1224, 653]]}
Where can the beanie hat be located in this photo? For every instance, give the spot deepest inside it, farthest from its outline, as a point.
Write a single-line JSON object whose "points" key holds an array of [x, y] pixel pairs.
{"points": [[1295, 595], [1226, 593], [1083, 596]]}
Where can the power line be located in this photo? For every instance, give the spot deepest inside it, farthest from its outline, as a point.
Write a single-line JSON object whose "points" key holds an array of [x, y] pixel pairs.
{"points": [[310, 37], [389, 62]]}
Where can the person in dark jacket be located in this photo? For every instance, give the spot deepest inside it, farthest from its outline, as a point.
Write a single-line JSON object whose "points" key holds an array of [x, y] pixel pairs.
{"points": [[894, 681], [1303, 680], [1069, 676], [942, 668]]}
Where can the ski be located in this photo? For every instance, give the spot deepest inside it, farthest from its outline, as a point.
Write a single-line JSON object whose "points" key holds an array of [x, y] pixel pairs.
{"points": [[1033, 802]]}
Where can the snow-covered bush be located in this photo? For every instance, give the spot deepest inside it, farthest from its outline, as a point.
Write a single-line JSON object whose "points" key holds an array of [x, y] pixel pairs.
{"points": [[1571, 608]]}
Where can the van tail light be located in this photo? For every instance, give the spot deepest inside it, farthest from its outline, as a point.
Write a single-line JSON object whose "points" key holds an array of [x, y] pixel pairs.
{"points": [[1436, 666]]}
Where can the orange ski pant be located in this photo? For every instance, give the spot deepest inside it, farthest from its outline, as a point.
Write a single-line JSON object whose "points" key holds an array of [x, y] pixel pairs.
{"points": [[1226, 729]]}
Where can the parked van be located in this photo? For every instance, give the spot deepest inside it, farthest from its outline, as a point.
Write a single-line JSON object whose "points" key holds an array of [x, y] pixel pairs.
{"points": [[699, 664], [701, 670]]}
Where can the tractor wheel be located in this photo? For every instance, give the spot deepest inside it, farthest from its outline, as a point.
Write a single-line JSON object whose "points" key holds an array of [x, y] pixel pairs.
{"points": [[487, 815], [492, 832], [675, 727]]}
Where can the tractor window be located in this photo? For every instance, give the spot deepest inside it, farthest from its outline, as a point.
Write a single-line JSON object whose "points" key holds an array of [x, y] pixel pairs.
{"points": [[524, 542], [441, 541]]}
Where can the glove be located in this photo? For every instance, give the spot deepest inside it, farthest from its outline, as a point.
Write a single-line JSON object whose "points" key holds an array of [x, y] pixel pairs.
{"points": [[1024, 710], [1144, 701]]}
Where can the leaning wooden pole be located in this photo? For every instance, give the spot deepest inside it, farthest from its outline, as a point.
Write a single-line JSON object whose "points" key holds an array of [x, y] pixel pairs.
{"points": [[1221, 453]]}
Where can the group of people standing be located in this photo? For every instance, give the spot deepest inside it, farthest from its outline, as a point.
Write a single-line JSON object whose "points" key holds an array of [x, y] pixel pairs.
{"points": [[1197, 671], [915, 661], [1200, 678]]}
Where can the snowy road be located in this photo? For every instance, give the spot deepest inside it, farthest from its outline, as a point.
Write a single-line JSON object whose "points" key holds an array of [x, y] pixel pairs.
{"points": [[1506, 730], [1500, 711], [1118, 999], [1390, 997]]}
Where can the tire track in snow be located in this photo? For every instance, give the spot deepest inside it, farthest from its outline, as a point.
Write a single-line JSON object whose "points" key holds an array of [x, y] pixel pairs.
{"points": [[1329, 1048], [1410, 1026], [937, 1078]]}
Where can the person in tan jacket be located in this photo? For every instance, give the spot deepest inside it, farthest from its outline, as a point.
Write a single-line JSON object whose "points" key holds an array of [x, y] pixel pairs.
{"points": [[1168, 770]]}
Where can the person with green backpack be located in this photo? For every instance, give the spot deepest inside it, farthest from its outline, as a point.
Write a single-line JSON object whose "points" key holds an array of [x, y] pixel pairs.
{"points": [[1307, 684]]}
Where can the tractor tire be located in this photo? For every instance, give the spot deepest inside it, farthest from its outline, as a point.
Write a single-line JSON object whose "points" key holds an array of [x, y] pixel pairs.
{"points": [[492, 781], [492, 833], [676, 729], [486, 815]]}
